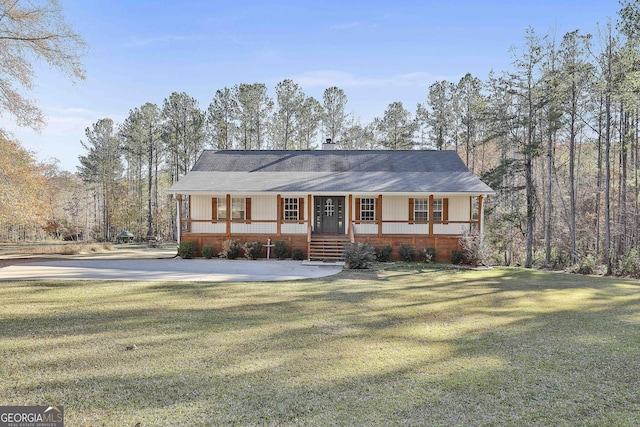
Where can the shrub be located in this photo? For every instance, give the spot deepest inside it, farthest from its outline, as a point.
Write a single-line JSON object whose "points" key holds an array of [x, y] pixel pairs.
{"points": [[280, 249], [208, 251], [252, 250], [630, 263], [407, 252], [359, 255], [73, 249], [231, 249], [428, 254], [383, 254], [297, 254], [457, 257], [586, 265], [65, 249], [187, 250], [475, 250]]}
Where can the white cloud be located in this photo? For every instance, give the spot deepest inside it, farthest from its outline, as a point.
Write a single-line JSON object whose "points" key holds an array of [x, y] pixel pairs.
{"points": [[62, 120], [61, 136]]}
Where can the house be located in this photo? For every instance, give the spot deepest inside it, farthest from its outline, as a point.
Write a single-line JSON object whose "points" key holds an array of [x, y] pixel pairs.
{"points": [[319, 200]]}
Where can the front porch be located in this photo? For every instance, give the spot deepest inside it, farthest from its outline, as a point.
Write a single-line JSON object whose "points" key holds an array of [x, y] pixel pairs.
{"points": [[320, 225]]}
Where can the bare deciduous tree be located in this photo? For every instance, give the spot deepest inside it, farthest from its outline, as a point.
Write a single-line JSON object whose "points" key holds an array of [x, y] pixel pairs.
{"points": [[33, 30]]}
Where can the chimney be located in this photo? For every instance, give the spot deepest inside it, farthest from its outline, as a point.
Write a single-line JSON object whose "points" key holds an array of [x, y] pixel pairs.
{"points": [[328, 144]]}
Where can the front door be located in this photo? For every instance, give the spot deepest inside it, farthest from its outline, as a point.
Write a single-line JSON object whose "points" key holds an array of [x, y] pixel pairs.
{"points": [[329, 214]]}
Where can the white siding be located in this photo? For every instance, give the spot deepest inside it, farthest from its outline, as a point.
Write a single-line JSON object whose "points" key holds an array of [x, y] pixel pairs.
{"points": [[293, 228], [365, 228], [459, 208], [449, 228], [405, 228], [200, 207], [264, 207], [207, 227], [254, 227], [395, 208]]}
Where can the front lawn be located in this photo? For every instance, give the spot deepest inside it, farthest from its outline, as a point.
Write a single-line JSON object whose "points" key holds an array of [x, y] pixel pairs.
{"points": [[406, 346]]}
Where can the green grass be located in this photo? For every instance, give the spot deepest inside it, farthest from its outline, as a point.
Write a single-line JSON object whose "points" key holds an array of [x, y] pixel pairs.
{"points": [[407, 346]]}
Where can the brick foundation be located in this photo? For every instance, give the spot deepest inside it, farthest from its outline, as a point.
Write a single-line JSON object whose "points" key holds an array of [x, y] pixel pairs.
{"points": [[444, 244]]}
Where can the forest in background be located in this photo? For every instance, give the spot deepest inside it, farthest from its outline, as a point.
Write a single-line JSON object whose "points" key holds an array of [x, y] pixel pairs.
{"points": [[556, 136]]}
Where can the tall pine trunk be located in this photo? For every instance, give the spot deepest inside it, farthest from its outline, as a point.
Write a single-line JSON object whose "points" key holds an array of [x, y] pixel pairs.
{"points": [[150, 187], [607, 185], [572, 179]]}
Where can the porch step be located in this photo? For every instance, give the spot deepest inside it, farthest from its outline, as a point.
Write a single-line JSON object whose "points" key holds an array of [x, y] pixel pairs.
{"points": [[327, 248]]}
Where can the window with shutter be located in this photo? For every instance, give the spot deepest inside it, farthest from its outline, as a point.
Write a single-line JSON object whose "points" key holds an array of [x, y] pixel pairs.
{"points": [[445, 210], [421, 210], [301, 209], [238, 208], [437, 209], [291, 208], [221, 208], [368, 209]]}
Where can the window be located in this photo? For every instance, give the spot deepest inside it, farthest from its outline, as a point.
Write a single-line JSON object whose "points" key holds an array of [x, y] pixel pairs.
{"points": [[437, 209], [290, 209], [329, 208], [368, 209], [221, 208], [475, 207], [238, 208], [421, 209]]}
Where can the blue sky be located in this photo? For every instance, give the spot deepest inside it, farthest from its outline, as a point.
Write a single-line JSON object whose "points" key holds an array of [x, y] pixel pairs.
{"points": [[378, 52]]}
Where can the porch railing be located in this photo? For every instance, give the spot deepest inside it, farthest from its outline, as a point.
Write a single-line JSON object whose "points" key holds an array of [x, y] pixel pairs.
{"points": [[474, 223]]}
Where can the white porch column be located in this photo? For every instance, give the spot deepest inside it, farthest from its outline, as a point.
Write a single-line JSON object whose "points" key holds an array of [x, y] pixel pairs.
{"points": [[178, 219], [481, 213]]}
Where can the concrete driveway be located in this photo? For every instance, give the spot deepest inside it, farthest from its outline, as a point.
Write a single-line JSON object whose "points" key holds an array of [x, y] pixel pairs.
{"points": [[173, 269]]}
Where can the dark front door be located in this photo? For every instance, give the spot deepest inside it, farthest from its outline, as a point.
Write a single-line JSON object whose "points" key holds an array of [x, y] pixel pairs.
{"points": [[329, 214]]}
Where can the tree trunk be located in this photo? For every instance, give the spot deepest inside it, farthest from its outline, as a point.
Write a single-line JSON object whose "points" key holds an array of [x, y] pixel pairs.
{"points": [[599, 181], [150, 187], [547, 219], [530, 190], [607, 186], [572, 180]]}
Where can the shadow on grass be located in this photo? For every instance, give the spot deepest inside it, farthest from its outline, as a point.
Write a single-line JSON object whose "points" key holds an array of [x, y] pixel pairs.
{"points": [[423, 347]]}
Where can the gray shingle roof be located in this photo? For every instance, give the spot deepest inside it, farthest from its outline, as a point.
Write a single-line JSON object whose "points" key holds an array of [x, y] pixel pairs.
{"points": [[409, 171]]}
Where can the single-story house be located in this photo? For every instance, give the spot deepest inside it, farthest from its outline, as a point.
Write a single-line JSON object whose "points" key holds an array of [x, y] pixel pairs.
{"points": [[320, 200]]}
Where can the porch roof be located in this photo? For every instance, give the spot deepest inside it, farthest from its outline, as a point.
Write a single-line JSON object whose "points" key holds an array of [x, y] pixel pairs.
{"points": [[337, 171]]}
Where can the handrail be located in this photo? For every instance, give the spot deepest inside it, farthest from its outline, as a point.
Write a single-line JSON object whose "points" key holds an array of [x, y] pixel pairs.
{"points": [[272, 221], [309, 241], [309, 224]]}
